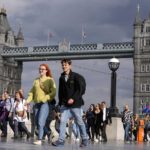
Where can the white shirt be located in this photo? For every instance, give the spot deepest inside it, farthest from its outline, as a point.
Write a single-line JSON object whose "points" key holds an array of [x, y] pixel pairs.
{"points": [[19, 107], [66, 77], [104, 114]]}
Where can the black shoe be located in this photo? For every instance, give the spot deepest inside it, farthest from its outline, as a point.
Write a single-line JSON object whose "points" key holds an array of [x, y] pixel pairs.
{"points": [[84, 143], [28, 135], [145, 140], [104, 141], [49, 135], [15, 137], [58, 143]]}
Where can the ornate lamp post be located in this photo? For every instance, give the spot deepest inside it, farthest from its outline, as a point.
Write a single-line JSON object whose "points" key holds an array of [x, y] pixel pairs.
{"points": [[113, 65]]}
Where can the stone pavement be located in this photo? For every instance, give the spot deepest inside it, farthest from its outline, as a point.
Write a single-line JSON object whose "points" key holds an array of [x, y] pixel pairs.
{"points": [[23, 144]]}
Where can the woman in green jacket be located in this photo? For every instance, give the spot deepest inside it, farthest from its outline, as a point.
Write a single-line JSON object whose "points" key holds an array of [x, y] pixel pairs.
{"points": [[42, 92]]}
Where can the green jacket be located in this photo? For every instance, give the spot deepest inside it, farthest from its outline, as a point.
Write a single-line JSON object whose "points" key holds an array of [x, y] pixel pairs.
{"points": [[45, 94]]}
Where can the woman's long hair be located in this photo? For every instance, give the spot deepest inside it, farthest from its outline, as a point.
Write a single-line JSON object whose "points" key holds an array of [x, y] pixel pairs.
{"points": [[48, 73], [20, 93], [92, 105]]}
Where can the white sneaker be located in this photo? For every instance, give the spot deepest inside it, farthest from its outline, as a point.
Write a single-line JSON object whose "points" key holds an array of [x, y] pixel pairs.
{"points": [[77, 139], [96, 140], [38, 142]]}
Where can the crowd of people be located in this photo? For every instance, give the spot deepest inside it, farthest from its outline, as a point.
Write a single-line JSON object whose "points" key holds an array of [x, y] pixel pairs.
{"points": [[131, 124], [16, 112], [65, 119]]}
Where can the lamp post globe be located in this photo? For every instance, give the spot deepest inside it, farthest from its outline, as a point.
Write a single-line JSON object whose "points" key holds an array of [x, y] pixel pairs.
{"points": [[113, 66]]}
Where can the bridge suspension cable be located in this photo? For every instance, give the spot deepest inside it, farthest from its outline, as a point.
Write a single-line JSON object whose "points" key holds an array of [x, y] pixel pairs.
{"points": [[101, 72]]}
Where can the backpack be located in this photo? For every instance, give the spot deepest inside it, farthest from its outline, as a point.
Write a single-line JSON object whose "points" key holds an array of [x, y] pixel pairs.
{"points": [[82, 84]]}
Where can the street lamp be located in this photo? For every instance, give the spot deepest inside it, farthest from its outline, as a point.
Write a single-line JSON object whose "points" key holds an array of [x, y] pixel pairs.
{"points": [[113, 65]]}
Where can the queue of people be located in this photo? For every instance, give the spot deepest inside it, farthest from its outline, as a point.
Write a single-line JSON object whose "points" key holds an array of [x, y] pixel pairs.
{"points": [[51, 120], [98, 116]]}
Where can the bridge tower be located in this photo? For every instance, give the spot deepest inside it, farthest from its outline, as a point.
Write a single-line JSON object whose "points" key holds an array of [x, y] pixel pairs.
{"points": [[10, 70], [141, 60]]}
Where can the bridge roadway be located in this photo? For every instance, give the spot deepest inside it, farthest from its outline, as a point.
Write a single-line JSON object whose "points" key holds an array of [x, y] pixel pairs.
{"points": [[78, 51], [23, 144]]}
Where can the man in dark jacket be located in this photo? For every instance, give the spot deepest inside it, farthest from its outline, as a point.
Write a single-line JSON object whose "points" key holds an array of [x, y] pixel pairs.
{"points": [[105, 120], [70, 94]]}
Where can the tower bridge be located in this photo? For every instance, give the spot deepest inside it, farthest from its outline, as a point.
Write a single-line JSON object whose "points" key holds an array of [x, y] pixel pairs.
{"points": [[79, 51], [13, 54]]}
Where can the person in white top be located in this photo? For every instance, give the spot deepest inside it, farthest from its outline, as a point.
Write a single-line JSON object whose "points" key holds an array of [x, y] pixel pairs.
{"points": [[20, 115]]}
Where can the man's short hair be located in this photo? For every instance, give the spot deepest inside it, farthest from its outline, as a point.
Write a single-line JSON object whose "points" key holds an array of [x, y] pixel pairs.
{"points": [[66, 60]]}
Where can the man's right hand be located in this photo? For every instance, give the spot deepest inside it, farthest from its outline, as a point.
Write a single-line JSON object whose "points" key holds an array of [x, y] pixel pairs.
{"points": [[70, 101]]}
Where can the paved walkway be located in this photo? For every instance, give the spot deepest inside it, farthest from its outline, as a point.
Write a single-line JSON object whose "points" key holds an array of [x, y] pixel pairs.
{"points": [[23, 144]]}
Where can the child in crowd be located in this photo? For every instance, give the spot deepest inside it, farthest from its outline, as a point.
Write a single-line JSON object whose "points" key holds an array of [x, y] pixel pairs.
{"points": [[20, 115]]}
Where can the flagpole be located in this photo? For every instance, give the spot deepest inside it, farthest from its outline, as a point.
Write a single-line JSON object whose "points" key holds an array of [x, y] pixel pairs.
{"points": [[82, 35], [81, 39], [48, 38]]}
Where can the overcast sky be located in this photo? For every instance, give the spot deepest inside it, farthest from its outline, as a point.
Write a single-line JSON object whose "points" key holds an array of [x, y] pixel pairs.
{"points": [[103, 21]]}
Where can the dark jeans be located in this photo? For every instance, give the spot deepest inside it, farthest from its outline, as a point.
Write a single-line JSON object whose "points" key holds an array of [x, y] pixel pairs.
{"points": [[104, 136], [135, 134], [32, 117], [90, 131], [3, 115], [97, 130], [20, 126], [146, 129], [4, 124]]}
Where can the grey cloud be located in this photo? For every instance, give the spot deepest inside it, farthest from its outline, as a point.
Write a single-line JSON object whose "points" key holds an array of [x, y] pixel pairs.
{"points": [[65, 18]]}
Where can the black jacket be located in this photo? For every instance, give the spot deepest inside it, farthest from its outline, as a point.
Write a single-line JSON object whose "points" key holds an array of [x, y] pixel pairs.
{"points": [[108, 116], [70, 89]]}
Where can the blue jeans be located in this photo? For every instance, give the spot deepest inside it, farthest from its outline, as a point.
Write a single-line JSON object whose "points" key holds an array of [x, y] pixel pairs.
{"points": [[75, 130], [127, 127], [66, 113], [50, 117], [41, 114]]}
